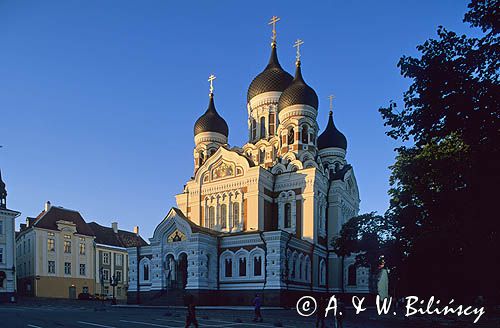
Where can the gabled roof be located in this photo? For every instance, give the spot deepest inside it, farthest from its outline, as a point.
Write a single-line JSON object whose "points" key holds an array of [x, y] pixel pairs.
{"points": [[106, 236], [48, 219], [194, 227]]}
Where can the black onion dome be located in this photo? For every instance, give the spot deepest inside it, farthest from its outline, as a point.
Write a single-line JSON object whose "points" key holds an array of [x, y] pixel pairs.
{"points": [[298, 93], [272, 78], [211, 121], [332, 137]]}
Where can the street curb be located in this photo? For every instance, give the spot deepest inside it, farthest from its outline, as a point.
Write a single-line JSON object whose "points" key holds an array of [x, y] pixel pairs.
{"points": [[201, 307]]}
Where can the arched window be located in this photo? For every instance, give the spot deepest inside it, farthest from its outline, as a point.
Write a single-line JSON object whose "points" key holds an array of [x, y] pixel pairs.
{"points": [[300, 269], [144, 269], [228, 267], [254, 129], [322, 272], [272, 124], [223, 216], [288, 215], [305, 135], [294, 264], [307, 269], [275, 152], [262, 156], [351, 275], [291, 136], [262, 127], [242, 266], [236, 214], [211, 217], [257, 265]]}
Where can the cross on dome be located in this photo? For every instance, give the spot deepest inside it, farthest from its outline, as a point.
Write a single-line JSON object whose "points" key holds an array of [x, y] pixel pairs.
{"points": [[273, 22], [331, 97], [297, 45], [211, 78]]}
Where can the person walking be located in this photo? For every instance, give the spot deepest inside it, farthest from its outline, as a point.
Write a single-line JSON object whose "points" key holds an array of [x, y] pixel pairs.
{"points": [[320, 316], [340, 314], [191, 312], [257, 303]]}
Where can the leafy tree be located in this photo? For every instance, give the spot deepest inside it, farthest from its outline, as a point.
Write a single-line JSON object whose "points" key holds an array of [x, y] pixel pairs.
{"points": [[367, 236], [444, 186]]}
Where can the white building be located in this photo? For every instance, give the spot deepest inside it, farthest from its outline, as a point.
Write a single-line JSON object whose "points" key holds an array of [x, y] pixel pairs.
{"points": [[7, 246], [257, 218]]}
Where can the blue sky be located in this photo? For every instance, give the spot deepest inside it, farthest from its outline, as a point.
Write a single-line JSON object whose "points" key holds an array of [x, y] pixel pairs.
{"points": [[98, 98]]}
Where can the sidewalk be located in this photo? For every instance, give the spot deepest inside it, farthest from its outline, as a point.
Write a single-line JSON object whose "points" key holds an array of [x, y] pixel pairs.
{"points": [[198, 307]]}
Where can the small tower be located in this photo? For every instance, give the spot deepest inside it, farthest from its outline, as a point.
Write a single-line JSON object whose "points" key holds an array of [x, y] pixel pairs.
{"points": [[332, 145], [263, 94], [3, 193], [210, 131], [297, 111]]}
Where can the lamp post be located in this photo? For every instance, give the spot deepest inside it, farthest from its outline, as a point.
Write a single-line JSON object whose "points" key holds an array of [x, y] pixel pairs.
{"points": [[114, 282], [101, 279]]}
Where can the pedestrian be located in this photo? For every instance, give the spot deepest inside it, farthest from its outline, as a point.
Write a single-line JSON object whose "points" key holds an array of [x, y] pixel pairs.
{"points": [[257, 303], [340, 314], [320, 314], [191, 312]]}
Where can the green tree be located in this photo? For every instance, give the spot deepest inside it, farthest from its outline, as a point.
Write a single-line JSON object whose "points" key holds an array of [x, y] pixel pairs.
{"points": [[444, 186]]}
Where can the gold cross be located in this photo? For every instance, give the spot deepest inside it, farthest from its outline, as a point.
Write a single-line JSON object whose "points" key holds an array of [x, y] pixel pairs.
{"points": [[331, 97], [297, 45], [211, 78], [273, 22]]}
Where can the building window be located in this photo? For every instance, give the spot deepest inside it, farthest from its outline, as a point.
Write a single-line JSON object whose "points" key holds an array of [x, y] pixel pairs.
{"points": [[243, 266], [291, 136], [51, 245], [351, 275], [82, 248], [85, 290], [67, 268], [52, 267], [105, 274], [262, 156], [322, 272], [1, 227], [272, 124], [67, 246], [223, 216], [236, 214], [119, 259], [305, 135], [211, 217], [228, 265], [118, 275], [262, 127], [254, 129], [146, 272], [257, 266], [106, 290], [105, 258], [1, 255], [288, 215], [82, 269]]}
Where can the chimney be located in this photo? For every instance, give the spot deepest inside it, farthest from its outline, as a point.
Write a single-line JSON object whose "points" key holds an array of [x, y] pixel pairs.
{"points": [[136, 230], [47, 206], [114, 225]]}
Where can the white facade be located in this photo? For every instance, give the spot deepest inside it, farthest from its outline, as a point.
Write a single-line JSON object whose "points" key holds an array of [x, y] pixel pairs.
{"points": [[7, 252]]}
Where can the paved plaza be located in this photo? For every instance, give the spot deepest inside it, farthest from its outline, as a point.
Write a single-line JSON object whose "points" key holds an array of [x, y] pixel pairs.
{"points": [[87, 314]]}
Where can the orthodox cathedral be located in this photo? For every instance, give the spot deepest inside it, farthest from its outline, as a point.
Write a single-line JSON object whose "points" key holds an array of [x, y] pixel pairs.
{"points": [[257, 218]]}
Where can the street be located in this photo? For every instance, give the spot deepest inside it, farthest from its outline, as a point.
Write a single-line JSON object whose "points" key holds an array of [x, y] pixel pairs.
{"points": [[90, 314]]}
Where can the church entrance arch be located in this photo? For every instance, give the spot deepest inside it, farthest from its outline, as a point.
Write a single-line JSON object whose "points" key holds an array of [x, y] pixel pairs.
{"points": [[182, 271]]}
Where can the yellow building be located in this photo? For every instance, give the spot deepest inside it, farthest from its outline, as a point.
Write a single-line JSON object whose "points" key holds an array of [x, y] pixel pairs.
{"points": [[55, 254]]}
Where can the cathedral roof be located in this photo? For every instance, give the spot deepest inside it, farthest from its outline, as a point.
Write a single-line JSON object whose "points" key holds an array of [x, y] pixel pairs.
{"points": [[211, 121], [298, 92], [332, 137], [272, 78]]}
